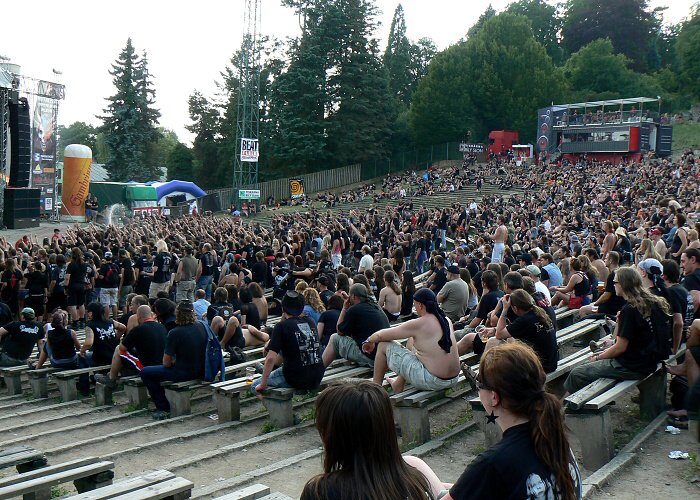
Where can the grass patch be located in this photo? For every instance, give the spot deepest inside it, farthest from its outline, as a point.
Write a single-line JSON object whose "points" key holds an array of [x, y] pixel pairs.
{"points": [[59, 491], [268, 427], [477, 450], [309, 415], [686, 136], [129, 408], [693, 467], [463, 418], [298, 398]]}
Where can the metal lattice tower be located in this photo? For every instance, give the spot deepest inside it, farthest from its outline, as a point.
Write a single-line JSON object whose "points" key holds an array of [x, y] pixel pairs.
{"points": [[245, 173]]}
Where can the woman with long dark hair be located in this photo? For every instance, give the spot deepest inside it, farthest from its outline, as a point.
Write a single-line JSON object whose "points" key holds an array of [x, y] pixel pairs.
{"points": [[361, 453], [533, 460], [408, 288]]}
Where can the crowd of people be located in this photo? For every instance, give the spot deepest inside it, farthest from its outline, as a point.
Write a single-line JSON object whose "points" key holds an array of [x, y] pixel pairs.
{"points": [[382, 289]]}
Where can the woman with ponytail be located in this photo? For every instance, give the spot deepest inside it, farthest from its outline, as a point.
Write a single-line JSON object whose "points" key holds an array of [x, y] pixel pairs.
{"points": [[390, 296], [533, 460]]}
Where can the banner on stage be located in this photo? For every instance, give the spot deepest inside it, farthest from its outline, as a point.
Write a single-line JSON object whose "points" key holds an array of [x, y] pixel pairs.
{"points": [[296, 188], [249, 150], [44, 144], [249, 194], [465, 147]]}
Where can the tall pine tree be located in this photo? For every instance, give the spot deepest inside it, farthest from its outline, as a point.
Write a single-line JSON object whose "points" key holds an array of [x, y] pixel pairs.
{"points": [[397, 58], [129, 124]]}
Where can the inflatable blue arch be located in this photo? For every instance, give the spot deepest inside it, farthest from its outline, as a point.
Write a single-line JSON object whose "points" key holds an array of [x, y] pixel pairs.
{"points": [[189, 189]]}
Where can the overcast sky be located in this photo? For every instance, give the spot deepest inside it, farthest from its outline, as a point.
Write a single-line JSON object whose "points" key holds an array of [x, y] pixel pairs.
{"points": [[188, 42]]}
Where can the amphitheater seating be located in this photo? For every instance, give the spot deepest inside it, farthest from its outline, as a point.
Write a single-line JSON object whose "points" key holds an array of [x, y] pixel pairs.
{"points": [[23, 458], [86, 474], [157, 484]]}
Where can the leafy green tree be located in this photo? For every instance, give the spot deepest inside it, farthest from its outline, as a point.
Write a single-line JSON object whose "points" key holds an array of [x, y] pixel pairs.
{"points": [[180, 163], [205, 125], [546, 24], [687, 51], [76, 133], [129, 124], [397, 58], [627, 23], [495, 80], [489, 13]]}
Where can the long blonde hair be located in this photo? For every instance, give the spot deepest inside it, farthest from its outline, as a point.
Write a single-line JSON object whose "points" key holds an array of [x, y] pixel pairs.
{"points": [[312, 298], [637, 295], [647, 250]]}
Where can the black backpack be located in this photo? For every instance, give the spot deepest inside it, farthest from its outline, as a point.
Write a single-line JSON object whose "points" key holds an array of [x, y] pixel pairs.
{"points": [[661, 329], [112, 276]]}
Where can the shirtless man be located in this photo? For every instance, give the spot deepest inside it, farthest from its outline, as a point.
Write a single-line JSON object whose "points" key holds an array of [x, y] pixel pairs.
{"points": [[435, 363], [499, 240], [609, 240]]}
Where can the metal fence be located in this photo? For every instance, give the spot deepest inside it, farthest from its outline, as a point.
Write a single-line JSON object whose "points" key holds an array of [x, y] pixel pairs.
{"points": [[417, 159]]}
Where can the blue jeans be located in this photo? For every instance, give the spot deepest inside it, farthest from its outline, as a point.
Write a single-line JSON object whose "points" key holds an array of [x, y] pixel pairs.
{"points": [[152, 376], [204, 282], [84, 379], [276, 379], [60, 363]]}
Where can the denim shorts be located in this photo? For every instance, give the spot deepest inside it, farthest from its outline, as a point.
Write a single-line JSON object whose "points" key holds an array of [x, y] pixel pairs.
{"points": [[276, 379]]}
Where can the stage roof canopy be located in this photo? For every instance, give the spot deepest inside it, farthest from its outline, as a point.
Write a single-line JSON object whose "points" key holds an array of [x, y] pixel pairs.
{"points": [[610, 103], [5, 79]]}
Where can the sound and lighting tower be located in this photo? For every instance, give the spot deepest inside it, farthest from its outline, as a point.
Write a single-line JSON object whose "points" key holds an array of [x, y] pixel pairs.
{"points": [[245, 170]]}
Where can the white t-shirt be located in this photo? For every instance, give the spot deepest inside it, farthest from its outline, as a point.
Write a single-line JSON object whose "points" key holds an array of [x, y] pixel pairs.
{"points": [[541, 287], [366, 262]]}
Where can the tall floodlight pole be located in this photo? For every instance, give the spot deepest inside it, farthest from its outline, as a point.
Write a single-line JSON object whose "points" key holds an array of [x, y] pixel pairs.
{"points": [[245, 170]]}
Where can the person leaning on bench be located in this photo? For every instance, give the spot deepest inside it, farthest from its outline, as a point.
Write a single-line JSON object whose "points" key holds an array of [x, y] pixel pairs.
{"points": [[18, 339], [435, 363], [633, 356], [142, 346], [295, 346], [183, 357]]}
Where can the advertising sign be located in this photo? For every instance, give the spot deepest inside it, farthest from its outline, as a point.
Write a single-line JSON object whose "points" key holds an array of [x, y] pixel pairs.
{"points": [[249, 150], [249, 194]]}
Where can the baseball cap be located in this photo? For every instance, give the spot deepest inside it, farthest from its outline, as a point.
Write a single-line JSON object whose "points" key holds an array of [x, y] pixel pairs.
{"points": [[185, 305], [108, 255], [28, 312], [453, 269], [656, 230], [533, 269], [293, 303]]}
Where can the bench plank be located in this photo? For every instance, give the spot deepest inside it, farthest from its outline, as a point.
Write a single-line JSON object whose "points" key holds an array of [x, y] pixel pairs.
{"points": [[176, 488], [47, 481], [252, 492], [126, 486]]}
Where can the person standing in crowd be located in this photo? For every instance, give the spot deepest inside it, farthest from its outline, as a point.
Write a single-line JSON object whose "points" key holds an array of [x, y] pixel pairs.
{"points": [[127, 279], [75, 284], [110, 277], [36, 284], [435, 363], [183, 358], [205, 269], [161, 272], [499, 237], [361, 317], [11, 281], [294, 345], [18, 339]]}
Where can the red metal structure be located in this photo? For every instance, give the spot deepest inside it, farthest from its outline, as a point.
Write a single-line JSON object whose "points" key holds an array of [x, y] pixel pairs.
{"points": [[501, 141]]}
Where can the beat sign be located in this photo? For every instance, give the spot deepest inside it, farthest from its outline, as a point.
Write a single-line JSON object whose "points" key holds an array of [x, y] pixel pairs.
{"points": [[249, 149]]}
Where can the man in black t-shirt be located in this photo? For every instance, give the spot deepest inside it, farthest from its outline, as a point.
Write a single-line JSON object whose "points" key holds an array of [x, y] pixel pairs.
{"points": [[489, 300], [690, 262], [142, 346], [161, 273], [439, 278], [360, 318], [19, 338], [294, 343], [183, 357], [205, 270], [681, 302]]}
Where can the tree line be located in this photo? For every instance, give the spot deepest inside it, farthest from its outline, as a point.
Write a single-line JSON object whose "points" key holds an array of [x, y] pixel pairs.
{"points": [[332, 96]]}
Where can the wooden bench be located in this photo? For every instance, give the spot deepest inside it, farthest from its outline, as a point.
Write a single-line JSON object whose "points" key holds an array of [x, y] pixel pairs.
{"points": [[565, 316], [156, 484], [66, 380], [23, 458], [86, 474], [39, 381], [588, 411], [252, 492]]}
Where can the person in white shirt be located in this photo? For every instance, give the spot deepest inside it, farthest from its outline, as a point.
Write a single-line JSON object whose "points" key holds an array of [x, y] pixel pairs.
{"points": [[366, 262], [534, 273]]}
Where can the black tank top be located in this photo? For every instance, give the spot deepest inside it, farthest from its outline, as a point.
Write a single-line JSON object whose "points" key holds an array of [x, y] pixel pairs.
{"points": [[105, 341], [61, 343], [583, 288]]}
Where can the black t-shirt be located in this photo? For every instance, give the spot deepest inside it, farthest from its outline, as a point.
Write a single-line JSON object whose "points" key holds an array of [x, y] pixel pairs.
{"points": [[187, 344], [361, 321], [61, 342], [325, 297], [58, 274], [77, 275], [20, 338], [12, 281], [143, 281], [543, 340], [36, 283], [296, 339], [511, 470], [682, 303], [207, 260], [615, 302], [223, 309], [162, 262], [105, 341], [5, 314], [251, 313], [440, 279], [488, 303], [636, 330], [329, 318], [544, 274], [259, 271], [110, 271], [127, 265], [147, 342]]}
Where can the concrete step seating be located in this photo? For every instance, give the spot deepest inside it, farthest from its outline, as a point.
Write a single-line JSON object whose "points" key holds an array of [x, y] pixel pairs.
{"points": [[588, 410], [253, 492], [86, 474], [23, 458], [156, 484]]}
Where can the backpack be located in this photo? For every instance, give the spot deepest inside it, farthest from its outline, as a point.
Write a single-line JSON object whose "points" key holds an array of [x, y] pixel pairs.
{"points": [[661, 332], [213, 358], [112, 276]]}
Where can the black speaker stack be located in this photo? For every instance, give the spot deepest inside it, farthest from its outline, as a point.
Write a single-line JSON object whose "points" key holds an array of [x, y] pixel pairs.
{"points": [[21, 208], [20, 144]]}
